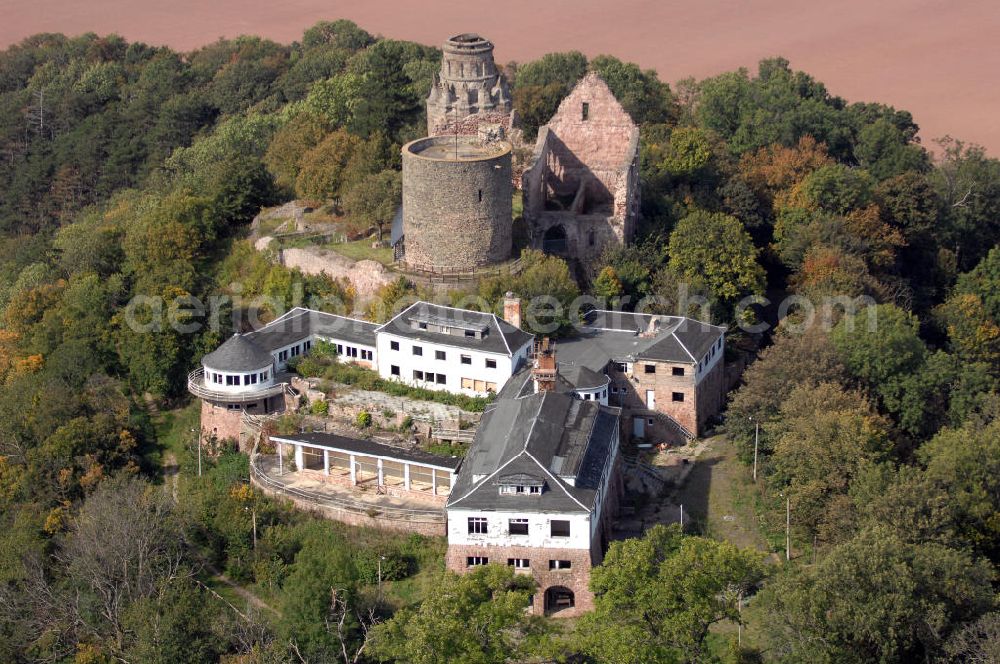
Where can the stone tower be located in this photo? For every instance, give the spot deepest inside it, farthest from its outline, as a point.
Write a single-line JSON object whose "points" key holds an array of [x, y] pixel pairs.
{"points": [[469, 93], [456, 203]]}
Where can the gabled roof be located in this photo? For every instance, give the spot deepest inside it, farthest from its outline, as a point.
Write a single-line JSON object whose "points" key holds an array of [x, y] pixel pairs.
{"points": [[238, 354], [501, 337], [624, 336], [547, 435], [300, 323]]}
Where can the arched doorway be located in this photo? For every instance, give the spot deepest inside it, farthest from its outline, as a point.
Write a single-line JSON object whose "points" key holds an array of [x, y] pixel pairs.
{"points": [[559, 598], [554, 241]]}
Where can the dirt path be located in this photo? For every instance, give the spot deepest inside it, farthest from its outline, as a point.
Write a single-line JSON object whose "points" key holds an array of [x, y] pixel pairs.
{"points": [[244, 594], [715, 496], [171, 474]]}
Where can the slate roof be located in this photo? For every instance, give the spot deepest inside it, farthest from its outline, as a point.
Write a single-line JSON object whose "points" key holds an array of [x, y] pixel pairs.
{"points": [[501, 337], [300, 323], [618, 336], [548, 436], [238, 354], [370, 448]]}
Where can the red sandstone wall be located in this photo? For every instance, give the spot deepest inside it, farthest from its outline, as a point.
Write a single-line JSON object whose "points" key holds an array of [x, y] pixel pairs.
{"points": [[576, 579], [603, 140]]}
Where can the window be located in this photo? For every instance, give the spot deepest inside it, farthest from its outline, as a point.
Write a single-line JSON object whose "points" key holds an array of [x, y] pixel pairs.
{"points": [[471, 334], [295, 350], [393, 345], [263, 376], [491, 387], [439, 355], [649, 368], [307, 345], [585, 112], [591, 239], [466, 359], [340, 349], [491, 364], [429, 376], [441, 379], [480, 195], [253, 379], [621, 366], [475, 561], [518, 526], [519, 563], [417, 350], [418, 374], [677, 396], [560, 564], [478, 525], [468, 384], [677, 371], [394, 370], [232, 380], [233, 406], [283, 355], [366, 355], [559, 528]]}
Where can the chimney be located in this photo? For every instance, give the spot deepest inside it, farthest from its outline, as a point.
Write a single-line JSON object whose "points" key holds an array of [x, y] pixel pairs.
{"points": [[652, 329], [543, 372], [512, 309]]}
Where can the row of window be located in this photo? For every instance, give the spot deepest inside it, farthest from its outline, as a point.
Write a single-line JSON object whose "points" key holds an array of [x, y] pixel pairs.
{"points": [[294, 351], [442, 355], [595, 397], [352, 352], [519, 490], [518, 563], [239, 379], [480, 526], [478, 385]]}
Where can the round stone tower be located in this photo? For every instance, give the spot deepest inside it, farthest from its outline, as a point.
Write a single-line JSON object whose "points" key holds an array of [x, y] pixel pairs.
{"points": [[456, 203], [468, 91]]}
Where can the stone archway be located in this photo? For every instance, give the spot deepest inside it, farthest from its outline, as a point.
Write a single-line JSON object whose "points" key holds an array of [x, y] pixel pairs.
{"points": [[554, 241], [559, 598]]}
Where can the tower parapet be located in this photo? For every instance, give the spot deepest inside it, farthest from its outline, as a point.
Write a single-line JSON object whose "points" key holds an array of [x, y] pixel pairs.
{"points": [[468, 93]]}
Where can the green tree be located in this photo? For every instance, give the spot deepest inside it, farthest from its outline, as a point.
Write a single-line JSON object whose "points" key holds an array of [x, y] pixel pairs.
{"points": [[373, 201], [715, 248], [474, 617], [873, 599], [656, 597], [607, 285], [321, 170]]}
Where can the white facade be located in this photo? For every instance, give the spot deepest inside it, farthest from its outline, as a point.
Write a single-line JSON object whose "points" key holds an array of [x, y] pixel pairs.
{"points": [[498, 529], [228, 382], [452, 368]]}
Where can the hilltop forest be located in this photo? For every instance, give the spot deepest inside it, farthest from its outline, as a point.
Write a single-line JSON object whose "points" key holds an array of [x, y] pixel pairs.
{"points": [[130, 170]]}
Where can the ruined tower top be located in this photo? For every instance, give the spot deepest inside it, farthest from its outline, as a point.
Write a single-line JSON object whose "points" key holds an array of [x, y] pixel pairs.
{"points": [[468, 91]]}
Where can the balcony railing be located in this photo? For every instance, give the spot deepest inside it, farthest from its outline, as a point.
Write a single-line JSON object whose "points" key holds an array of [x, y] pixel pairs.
{"points": [[198, 387]]}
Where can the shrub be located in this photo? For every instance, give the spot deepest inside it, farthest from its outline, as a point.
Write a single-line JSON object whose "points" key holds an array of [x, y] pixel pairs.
{"points": [[319, 408], [406, 424], [364, 419]]}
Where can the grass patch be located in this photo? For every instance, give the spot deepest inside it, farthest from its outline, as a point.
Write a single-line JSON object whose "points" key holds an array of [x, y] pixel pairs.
{"points": [[173, 432], [361, 250], [517, 203], [268, 226]]}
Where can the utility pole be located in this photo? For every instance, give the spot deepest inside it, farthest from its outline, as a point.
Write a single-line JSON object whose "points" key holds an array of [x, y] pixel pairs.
{"points": [[788, 528], [682, 517], [756, 441], [254, 513]]}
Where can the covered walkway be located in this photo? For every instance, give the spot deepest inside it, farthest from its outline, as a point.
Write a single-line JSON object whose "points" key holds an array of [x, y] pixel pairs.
{"points": [[368, 465]]}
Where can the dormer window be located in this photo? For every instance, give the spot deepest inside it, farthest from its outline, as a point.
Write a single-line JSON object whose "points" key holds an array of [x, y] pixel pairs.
{"points": [[520, 484]]}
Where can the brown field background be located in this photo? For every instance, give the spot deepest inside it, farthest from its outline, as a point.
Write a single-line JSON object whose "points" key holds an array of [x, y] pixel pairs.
{"points": [[939, 59]]}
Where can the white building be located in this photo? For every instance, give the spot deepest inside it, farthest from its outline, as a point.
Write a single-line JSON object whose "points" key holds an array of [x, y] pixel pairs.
{"points": [[537, 491], [443, 348]]}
